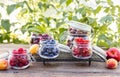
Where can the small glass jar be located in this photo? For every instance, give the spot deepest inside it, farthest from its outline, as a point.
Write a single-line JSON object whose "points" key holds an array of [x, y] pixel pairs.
{"points": [[35, 38], [81, 48], [78, 28], [19, 61], [48, 49]]}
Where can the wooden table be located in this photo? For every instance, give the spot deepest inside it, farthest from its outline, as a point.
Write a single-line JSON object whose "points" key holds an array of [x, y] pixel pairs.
{"points": [[58, 69]]}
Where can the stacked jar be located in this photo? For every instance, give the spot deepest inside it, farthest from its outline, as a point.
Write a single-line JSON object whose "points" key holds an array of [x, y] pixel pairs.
{"points": [[79, 41]]}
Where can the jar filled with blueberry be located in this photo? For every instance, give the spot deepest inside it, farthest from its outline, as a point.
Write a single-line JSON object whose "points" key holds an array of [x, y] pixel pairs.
{"points": [[48, 49]]}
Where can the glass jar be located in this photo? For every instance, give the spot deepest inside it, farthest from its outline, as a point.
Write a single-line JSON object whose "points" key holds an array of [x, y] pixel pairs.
{"points": [[81, 48], [78, 29], [19, 60], [48, 49], [35, 38], [70, 39]]}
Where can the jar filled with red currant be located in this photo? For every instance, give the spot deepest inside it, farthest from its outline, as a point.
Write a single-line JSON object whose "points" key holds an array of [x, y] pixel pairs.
{"points": [[19, 59], [81, 48]]}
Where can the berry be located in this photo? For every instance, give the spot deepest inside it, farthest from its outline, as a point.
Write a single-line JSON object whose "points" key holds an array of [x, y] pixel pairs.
{"points": [[14, 52], [21, 51]]}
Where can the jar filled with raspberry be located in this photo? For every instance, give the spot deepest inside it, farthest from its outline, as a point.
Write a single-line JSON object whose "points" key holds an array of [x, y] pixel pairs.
{"points": [[81, 48]]}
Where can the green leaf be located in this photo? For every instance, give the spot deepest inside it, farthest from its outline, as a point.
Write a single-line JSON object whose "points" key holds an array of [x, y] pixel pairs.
{"points": [[110, 2], [62, 37], [98, 1], [74, 18], [5, 24], [64, 13], [91, 20], [42, 28], [20, 4], [118, 25], [103, 41], [104, 28], [1, 38], [47, 21], [30, 10], [11, 8], [34, 29], [58, 24], [86, 0], [44, 0], [97, 10], [113, 10], [107, 18], [107, 10], [62, 1], [1, 4], [82, 11], [68, 2], [0, 16], [8, 37], [62, 30], [40, 5]]}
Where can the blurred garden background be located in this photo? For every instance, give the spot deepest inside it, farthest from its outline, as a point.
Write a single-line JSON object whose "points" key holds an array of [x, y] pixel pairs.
{"points": [[20, 18]]}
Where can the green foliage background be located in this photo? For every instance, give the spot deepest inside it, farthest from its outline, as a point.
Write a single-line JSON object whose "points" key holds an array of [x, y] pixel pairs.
{"points": [[50, 16]]}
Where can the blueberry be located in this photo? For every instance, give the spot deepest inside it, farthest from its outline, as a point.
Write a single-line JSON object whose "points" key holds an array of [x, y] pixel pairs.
{"points": [[51, 55], [52, 47], [46, 53], [52, 41], [54, 54], [45, 42], [55, 50], [42, 53]]}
